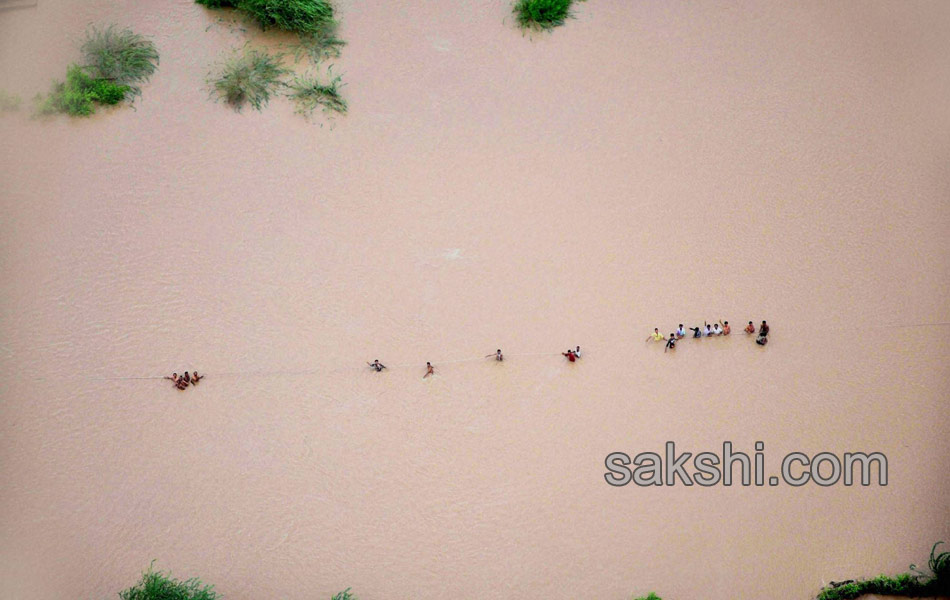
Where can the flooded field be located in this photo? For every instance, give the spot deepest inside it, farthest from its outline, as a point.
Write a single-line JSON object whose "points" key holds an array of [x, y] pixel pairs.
{"points": [[645, 165]]}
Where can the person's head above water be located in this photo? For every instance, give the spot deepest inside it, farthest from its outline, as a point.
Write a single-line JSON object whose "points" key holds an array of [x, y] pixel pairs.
{"points": [[725, 322], [656, 329]]}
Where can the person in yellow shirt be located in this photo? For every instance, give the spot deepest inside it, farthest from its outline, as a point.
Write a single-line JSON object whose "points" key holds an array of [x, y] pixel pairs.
{"points": [[656, 336]]}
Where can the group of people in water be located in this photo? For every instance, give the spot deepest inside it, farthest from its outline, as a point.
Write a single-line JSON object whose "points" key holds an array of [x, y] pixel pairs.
{"points": [[183, 381], [430, 370], [707, 330], [572, 356]]}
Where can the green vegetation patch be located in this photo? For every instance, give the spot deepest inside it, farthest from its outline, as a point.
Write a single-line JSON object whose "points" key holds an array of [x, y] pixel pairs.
{"points": [[344, 595], [309, 94], [650, 596], [156, 585], [116, 62], [313, 20], [79, 94], [542, 14], [912, 585], [251, 77], [120, 56]]}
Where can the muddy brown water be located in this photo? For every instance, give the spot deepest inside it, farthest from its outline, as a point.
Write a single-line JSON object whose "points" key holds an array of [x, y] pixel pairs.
{"points": [[647, 164]]}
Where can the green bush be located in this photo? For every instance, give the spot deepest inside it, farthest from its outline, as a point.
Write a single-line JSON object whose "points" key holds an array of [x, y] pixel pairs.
{"points": [[344, 595], [939, 582], [301, 16], [120, 56], [313, 20], [116, 61], [71, 97], [79, 93], [920, 584], [160, 586], [650, 596], [542, 14], [251, 77], [309, 93], [107, 92]]}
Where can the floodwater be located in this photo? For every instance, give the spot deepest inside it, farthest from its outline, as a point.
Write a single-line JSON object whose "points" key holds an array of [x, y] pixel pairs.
{"points": [[647, 164]]}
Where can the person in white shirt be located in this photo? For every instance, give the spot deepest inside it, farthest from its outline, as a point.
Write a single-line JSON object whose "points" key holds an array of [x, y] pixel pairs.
{"points": [[681, 332], [577, 352], [716, 330]]}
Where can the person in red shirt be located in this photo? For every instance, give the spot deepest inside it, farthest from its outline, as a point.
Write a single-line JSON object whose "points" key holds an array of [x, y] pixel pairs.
{"points": [[570, 355]]}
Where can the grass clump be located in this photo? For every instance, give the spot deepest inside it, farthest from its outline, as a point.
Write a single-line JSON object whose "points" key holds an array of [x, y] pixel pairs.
{"points": [[9, 101], [542, 14], [79, 94], [650, 596], [309, 93], [918, 584], [120, 56], [344, 595], [312, 20], [251, 77], [156, 585], [116, 62], [301, 16]]}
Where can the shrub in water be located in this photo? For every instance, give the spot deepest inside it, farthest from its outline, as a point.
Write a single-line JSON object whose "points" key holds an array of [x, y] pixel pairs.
{"points": [[107, 92], [311, 19], [308, 94], [344, 595], [251, 77], [301, 16], [120, 56], [77, 95], [937, 583], [542, 14], [161, 586], [71, 97]]}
